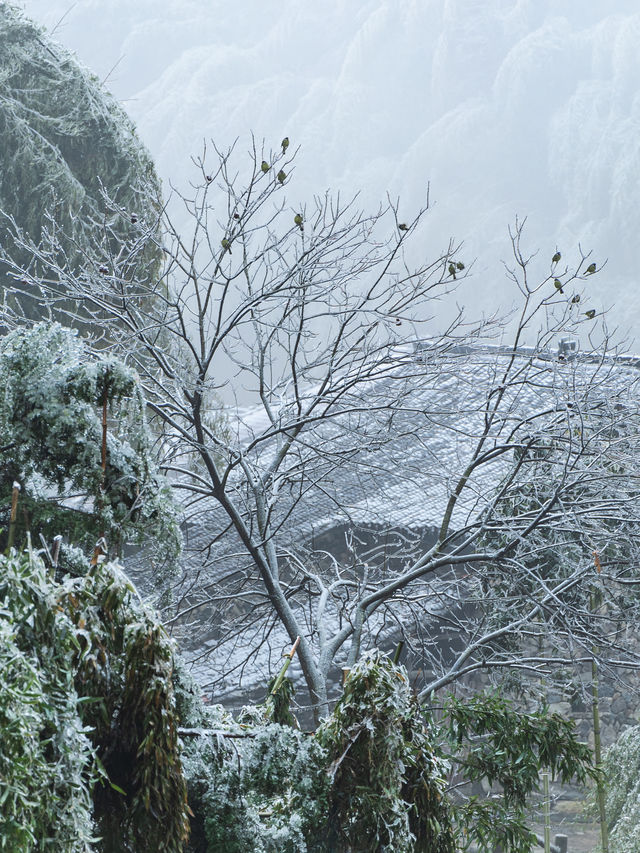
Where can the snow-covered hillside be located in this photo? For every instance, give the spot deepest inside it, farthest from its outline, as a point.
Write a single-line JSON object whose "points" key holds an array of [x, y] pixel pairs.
{"points": [[506, 107]]}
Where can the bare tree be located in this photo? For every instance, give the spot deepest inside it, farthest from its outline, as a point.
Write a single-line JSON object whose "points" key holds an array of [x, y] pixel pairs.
{"points": [[453, 462]]}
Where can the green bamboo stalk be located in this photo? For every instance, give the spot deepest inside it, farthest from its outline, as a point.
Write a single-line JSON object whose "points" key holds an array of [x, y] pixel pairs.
{"points": [[100, 547], [604, 830], [14, 514], [595, 703], [285, 667], [546, 807]]}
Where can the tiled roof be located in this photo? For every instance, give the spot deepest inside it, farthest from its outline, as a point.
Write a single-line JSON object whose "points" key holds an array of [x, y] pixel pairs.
{"points": [[397, 467], [394, 468]]}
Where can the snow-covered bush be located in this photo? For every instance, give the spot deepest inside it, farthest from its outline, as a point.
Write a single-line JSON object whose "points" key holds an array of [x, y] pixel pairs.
{"points": [[373, 777], [89, 746], [88, 726], [46, 762], [370, 780], [253, 786], [387, 777], [621, 767], [124, 671]]}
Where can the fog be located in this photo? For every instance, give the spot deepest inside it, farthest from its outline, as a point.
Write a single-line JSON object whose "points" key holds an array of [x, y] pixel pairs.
{"points": [[503, 108]]}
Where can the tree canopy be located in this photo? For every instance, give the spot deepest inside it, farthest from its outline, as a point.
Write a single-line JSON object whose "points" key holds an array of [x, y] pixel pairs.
{"points": [[320, 314], [75, 438]]}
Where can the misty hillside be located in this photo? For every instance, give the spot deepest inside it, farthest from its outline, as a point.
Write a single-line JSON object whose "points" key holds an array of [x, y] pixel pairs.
{"points": [[505, 108], [64, 141]]}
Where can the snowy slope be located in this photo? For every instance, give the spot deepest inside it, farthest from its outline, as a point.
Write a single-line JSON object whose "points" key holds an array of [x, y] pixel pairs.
{"points": [[504, 106]]}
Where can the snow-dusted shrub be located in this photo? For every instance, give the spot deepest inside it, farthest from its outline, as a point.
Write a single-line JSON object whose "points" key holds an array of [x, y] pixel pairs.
{"points": [[123, 667], [386, 776], [255, 786], [46, 762], [224, 821], [372, 778], [88, 727], [621, 767]]}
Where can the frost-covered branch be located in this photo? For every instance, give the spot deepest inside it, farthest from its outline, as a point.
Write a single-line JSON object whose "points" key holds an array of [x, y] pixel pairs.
{"points": [[360, 469]]}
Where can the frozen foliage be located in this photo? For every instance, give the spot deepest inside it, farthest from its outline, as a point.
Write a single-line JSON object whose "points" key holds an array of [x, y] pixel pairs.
{"points": [[621, 767], [369, 780], [253, 784], [51, 409], [558, 545], [63, 142], [387, 779], [380, 774], [124, 668], [257, 793], [88, 692], [46, 757], [88, 728], [489, 740]]}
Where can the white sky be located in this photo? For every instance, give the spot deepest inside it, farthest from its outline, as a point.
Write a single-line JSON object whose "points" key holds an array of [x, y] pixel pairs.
{"points": [[528, 107]]}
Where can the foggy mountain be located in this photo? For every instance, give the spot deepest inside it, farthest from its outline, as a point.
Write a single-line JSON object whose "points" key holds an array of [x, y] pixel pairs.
{"points": [[502, 107]]}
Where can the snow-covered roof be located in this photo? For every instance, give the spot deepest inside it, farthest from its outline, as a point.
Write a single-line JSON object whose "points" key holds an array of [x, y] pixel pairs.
{"points": [[392, 469], [397, 467]]}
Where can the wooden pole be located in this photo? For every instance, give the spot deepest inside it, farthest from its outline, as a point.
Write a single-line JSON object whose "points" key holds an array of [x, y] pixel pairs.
{"points": [[57, 542]]}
